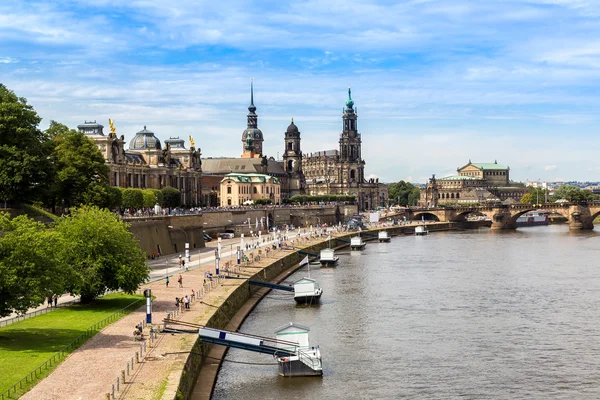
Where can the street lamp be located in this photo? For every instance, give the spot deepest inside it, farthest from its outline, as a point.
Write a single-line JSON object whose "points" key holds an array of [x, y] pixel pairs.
{"points": [[187, 242]]}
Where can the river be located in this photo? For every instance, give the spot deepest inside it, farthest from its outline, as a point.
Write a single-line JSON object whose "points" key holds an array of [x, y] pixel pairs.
{"points": [[471, 314]]}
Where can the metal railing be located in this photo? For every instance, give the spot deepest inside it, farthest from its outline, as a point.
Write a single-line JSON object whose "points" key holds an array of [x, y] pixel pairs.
{"points": [[31, 314], [65, 351]]}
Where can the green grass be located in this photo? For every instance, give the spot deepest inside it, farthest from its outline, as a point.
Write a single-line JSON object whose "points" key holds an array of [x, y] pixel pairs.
{"points": [[26, 345]]}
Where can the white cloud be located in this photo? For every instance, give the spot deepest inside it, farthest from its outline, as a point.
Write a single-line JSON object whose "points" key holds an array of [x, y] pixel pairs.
{"points": [[549, 167], [7, 60]]}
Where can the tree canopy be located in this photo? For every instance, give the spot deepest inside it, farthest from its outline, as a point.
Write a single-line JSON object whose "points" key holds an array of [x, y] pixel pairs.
{"points": [[573, 193], [171, 197], [86, 253], [24, 149], [81, 173], [403, 193]]}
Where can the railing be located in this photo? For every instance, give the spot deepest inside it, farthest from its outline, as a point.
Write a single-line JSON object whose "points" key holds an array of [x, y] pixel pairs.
{"points": [[62, 353], [307, 360], [22, 317]]}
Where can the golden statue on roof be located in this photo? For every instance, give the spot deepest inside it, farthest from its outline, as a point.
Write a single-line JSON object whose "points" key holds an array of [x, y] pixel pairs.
{"points": [[192, 141], [112, 128]]}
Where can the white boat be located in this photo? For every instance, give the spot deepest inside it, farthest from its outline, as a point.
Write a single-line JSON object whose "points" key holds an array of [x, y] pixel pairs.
{"points": [[356, 243], [384, 236], [307, 291], [328, 257], [532, 218], [421, 230], [307, 359]]}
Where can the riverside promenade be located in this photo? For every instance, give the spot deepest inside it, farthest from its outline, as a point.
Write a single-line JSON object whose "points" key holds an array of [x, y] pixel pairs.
{"points": [[91, 371]]}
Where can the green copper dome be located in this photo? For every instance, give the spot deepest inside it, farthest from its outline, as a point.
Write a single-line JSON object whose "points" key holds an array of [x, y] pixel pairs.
{"points": [[349, 102]]}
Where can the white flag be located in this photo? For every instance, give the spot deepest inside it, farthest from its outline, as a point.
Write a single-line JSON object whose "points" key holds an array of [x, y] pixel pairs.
{"points": [[304, 261]]}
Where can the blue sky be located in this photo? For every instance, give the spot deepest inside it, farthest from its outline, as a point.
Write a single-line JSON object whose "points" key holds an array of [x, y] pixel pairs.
{"points": [[436, 82]]}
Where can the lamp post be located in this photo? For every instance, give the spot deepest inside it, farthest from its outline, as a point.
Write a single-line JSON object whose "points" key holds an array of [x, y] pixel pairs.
{"points": [[187, 242]]}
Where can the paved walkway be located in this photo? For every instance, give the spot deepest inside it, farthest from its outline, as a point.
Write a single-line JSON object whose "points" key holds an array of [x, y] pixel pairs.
{"points": [[90, 371]]}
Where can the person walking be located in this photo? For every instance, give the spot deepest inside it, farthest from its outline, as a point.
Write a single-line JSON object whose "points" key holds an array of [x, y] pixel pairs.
{"points": [[167, 281], [49, 298], [180, 280], [55, 300]]}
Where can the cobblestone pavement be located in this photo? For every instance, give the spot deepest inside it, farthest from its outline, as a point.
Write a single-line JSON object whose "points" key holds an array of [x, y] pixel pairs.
{"points": [[91, 371]]}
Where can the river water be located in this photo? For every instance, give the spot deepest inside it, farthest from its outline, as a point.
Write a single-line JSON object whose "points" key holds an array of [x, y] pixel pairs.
{"points": [[473, 314]]}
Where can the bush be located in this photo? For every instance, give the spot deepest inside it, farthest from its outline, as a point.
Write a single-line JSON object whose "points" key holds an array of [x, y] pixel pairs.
{"points": [[171, 197], [262, 201], [132, 198]]}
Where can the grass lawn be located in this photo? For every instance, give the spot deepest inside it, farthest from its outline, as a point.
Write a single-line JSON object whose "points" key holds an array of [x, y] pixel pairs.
{"points": [[25, 345]]}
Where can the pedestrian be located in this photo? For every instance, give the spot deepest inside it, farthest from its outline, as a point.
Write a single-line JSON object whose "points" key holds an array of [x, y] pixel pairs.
{"points": [[180, 261], [184, 266], [186, 301], [167, 281], [180, 281], [177, 301], [193, 295], [49, 301], [55, 300]]}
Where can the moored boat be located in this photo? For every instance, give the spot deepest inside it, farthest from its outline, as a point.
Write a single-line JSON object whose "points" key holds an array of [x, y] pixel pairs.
{"points": [[357, 243], [307, 291], [328, 257], [384, 236], [421, 230]]}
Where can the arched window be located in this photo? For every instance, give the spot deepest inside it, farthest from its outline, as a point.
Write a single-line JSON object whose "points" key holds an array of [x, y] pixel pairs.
{"points": [[452, 196], [352, 174], [228, 202], [458, 195], [255, 191], [290, 146], [290, 165]]}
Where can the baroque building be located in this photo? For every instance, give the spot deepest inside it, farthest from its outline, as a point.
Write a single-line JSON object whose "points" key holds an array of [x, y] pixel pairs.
{"points": [[336, 172], [474, 183], [146, 165], [342, 171], [240, 189]]}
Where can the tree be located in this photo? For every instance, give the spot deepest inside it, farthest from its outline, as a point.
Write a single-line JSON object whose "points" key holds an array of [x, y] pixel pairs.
{"points": [[573, 193], [100, 253], [171, 197], [150, 198], [29, 267], [132, 198], [81, 173], [400, 192], [24, 149], [526, 198], [414, 196]]}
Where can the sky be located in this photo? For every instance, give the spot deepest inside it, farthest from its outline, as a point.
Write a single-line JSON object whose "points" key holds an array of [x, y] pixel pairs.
{"points": [[436, 82]]}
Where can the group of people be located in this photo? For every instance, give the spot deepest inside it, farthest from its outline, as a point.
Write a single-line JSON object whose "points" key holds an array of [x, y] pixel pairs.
{"points": [[52, 299], [185, 300]]}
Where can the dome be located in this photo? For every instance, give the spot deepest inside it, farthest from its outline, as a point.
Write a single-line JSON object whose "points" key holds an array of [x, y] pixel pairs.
{"points": [[292, 129], [255, 133], [349, 102], [175, 143], [144, 140]]}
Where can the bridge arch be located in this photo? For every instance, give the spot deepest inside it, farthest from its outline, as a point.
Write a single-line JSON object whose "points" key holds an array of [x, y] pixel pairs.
{"points": [[427, 216], [462, 216]]}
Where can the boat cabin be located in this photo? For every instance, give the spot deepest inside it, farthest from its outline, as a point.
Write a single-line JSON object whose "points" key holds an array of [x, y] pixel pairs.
{"points": [[293, 332]]}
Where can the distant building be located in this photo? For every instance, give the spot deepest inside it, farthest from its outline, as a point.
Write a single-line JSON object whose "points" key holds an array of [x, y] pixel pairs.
{"points": [[474, 183], [240, 189], [146, 165], [337, 172]]}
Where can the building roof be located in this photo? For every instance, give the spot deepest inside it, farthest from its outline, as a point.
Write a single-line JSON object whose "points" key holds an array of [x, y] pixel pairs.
{"points": [[175, 143], [250, 178], [459, 178], [143, 140], [489, 166], [223, 166], [292, 325], [325, 153]]}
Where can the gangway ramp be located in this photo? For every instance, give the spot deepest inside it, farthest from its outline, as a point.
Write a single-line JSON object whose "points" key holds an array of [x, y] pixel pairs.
{"points": [[294, 358]]}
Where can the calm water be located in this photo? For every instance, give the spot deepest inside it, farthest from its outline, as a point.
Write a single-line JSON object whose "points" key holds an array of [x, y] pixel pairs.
{"points": [[459, 314]]}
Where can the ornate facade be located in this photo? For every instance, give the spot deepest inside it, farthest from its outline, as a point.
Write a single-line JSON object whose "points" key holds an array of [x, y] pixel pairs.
{"points": [[146, 164], [342, 172], [474, 183], [240, 189]]}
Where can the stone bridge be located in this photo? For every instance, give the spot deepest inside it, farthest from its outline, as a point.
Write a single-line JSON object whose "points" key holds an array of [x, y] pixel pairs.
{"points": [[579, 215]]}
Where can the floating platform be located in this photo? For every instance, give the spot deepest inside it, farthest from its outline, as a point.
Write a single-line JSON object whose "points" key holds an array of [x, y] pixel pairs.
{"points": [[356, 243], [384, 236]]}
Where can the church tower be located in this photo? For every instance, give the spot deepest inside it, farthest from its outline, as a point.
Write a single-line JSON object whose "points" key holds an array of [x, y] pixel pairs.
{"points": [[252, 137], [292, 160], [352, 165], [292, 156]]}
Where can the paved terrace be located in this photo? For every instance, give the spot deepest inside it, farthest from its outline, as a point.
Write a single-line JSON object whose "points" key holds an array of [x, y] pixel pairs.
{"points": [[91, 371]]}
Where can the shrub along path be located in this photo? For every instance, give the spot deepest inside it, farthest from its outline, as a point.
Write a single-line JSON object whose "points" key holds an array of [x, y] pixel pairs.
{"points": [[27, 344]]}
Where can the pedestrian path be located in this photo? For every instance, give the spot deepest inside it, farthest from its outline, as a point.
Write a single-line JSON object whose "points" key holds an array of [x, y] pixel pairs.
{"points": [[91, 371]]}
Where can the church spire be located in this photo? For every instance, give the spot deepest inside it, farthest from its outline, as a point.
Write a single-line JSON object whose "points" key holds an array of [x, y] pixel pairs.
{"points": [[251, 107], [349, 102]]}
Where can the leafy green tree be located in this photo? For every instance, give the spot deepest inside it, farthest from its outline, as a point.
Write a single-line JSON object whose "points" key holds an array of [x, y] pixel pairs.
{"points": [[149, 198], [171, 197], [262, 201], [573, 193], [132, 198], [414, 196], [81, 173], [24, 149], [526, 198], [29, 267], [100, 253], [400, 192]]}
